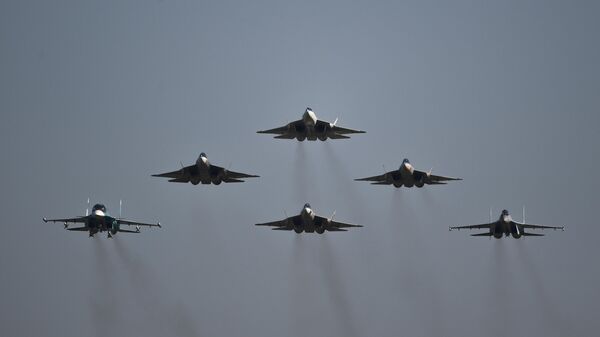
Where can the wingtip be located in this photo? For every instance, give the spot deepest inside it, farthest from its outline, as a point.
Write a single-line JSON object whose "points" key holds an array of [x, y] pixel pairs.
{"points": [[159, 225], [45, 220]]}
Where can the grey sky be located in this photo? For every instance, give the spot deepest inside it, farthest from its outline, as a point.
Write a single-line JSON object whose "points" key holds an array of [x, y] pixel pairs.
{"points": [[97, 95]]}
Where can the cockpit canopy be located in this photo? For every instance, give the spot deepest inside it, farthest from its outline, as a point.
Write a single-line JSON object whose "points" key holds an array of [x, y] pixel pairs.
{"points": [[203, 154], [307, 205], [99, 207], [504, 212]]}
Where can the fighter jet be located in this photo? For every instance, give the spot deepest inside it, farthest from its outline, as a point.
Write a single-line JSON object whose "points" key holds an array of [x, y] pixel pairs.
{"points": [[100, 221], [204, 172], [308, 222], [407, 176], [311, 128], [506, 226]]}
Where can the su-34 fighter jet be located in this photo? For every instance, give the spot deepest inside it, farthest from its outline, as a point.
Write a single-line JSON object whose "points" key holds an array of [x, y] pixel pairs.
{"points": [[204, 172], [506, 226], [311, 128], [100, 221], [307, 221], [407, 176]]}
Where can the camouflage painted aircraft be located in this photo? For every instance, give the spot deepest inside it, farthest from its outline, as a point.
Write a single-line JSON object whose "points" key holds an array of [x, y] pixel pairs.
{"points": [[100, 221]]}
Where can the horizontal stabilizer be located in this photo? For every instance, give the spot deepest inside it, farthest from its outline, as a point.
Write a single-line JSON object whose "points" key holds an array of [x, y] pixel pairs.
{"points": [[232, 180], [179, 180], [532, 234], [78, 229], [333, 229], [337, 136], [482, 234], [288, 136], [173, 174], [128, 231]]}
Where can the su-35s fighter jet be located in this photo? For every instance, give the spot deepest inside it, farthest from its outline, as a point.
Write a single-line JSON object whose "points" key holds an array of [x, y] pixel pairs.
{"points": [[204, 172], [307, 221], [100, 221], [311, 128], [506, 226], [407, 176]]}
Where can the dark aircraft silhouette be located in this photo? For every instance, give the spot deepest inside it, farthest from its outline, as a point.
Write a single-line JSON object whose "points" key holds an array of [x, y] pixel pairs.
{"points": [[311, 128], [204, 172], [100, 221], [407, 176], [307, 221], [506, 226]]}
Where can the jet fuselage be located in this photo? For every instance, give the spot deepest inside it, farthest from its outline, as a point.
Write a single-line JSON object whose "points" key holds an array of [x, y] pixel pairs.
{"points": [[204, 173], [310, 121], [505, 227], [405, 176], [100, 221], [308, 223]]}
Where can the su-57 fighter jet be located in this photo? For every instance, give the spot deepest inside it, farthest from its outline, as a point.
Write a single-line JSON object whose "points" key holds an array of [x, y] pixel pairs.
{"points": [[407, 176], [506, 226], [204, 172], [308, 222], [311, 128], [100, 221]]}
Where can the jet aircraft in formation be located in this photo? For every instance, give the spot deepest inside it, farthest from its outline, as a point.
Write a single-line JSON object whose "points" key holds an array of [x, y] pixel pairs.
{"points": [[311, 128], [506, 226], [204, 172], [307, 221], [100, 221], [407, 176], [308, 128]]}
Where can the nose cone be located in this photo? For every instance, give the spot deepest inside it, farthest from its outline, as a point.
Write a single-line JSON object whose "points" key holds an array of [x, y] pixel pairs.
{"points": [[506, 217], [306, 208], [309, 117], [202, 158]]}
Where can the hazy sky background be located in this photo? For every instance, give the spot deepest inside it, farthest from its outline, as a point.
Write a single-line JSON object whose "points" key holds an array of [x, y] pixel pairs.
{"points": [[95, 96]]}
